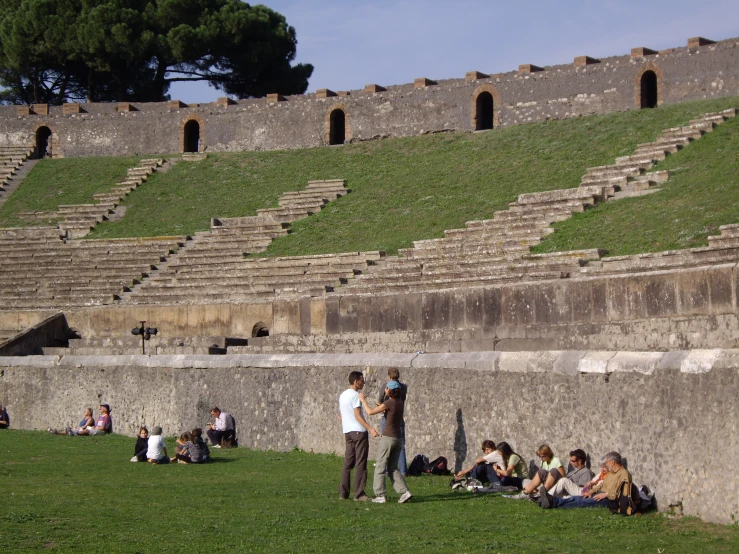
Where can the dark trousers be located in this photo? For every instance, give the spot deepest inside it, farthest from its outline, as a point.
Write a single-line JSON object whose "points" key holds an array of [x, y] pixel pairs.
{"points": [[485, 474], [355, 457], [141, 455], [217, 436]]}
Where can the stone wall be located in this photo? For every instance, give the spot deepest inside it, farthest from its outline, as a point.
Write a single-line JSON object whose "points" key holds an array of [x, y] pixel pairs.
{"points": [[555, 92], [673, 416]]}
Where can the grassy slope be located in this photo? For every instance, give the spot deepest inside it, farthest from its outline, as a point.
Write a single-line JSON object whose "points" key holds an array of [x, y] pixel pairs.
{"points": [[64, 494], [701, 195], [403, 189], [63, 181]]}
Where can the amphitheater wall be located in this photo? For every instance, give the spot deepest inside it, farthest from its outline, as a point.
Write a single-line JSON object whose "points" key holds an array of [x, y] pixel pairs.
{"points": [[556, 92], [689, 308], [674, 416]]}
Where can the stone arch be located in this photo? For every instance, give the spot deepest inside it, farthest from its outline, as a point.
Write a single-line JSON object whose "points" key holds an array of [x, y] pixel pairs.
{"points": [[260, 329], [192, 134], [649, 83], [44, 142], [337, 125], [485, 108]]}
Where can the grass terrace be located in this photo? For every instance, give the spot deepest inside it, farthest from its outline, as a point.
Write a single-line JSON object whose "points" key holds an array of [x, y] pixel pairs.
{"points": [[81, 494], [52, 183], [414, 188]]}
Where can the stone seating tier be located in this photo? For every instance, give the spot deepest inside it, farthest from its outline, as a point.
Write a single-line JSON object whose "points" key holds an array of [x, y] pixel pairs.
{"points": [[224, 283], [729, 237]]}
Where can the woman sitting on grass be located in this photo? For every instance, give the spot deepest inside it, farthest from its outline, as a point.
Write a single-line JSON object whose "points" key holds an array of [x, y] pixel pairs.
{"points": [[87, 422], [193, 451], [550, 472], [515, 468]]}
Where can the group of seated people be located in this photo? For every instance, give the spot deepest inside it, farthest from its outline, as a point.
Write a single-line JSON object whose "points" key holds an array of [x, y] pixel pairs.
{"points": [[190, 448], [503, 470], [88, 425]]}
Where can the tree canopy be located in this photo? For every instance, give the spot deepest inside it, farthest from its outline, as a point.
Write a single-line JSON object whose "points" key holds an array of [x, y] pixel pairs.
{"points": [[52, 51]]}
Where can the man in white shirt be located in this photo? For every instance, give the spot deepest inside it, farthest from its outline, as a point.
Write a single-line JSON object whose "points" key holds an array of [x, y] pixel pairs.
{"points": [[223, 428], [355, 429]]}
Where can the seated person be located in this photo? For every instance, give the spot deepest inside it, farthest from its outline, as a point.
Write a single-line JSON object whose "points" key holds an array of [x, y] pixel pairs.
{"points": [[4, 418], [484, 468], [103, 425], [549, 473], [195, 450], [156, 452], [180, 443], [87, 422], [142, 445], [577, 478], [515, 468], [615, 487], [222, 428], [197, 440]]}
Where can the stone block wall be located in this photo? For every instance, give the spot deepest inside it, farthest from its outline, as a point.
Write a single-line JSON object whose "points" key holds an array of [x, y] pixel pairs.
{"points": [[673, 416], [586, 86]]}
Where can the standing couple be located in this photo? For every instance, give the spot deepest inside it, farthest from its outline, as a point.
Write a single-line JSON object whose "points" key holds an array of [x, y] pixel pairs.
{"points": [[353, 406]]}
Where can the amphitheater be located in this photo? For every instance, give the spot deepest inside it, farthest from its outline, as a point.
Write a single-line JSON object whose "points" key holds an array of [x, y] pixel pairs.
{"points": [[636, 353]]}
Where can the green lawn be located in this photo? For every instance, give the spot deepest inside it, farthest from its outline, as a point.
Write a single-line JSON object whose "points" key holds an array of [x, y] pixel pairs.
{"points": [[81, 494], [64, 181]]}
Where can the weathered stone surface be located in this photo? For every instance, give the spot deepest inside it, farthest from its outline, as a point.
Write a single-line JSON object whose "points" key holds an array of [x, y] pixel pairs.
{"points": [[648, 406]]}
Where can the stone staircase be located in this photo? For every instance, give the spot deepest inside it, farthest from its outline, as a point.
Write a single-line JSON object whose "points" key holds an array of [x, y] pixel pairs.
{"points": [[14, 166], [77, 220], [497, 250], [212, 267]]}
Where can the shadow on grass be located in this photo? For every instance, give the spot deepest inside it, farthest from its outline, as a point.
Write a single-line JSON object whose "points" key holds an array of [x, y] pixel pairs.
{"points": [[448, 497]]}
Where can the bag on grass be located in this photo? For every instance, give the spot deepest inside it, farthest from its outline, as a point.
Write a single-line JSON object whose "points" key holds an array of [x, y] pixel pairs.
{"points": [[438, 467], [628, 501], [418, 465]]}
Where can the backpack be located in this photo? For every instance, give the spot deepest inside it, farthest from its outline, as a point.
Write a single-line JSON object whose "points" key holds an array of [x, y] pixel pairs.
{"points": [[438, 467], [418, 465], [628, 501]]}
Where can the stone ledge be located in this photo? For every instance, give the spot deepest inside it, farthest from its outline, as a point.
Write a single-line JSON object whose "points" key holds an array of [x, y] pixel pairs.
{"points": [[559, 361]]}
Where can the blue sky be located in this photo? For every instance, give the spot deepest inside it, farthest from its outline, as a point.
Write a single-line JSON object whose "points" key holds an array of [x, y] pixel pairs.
{"points": [[352, 43]]}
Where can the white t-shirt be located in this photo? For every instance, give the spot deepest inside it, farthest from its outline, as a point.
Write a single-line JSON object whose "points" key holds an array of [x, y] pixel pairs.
{"points": [[349, 400], [494, 458], [156, 446]]}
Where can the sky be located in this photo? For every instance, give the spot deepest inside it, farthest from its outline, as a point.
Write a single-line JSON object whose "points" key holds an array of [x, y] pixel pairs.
{"points": [[352, 43]]}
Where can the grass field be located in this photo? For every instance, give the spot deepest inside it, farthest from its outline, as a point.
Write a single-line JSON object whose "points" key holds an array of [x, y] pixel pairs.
{"points": [[81, 494]]}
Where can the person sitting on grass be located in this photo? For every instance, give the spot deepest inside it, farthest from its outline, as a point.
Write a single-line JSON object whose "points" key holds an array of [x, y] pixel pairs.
{"points": [[142, 445], [199, 443], [515, 468], [572, 483], [4, 418], [103, 425], [191, 453], [87, 422], [223, 429], [484, 467], [549, 473], [156, 452], [614, 492]]}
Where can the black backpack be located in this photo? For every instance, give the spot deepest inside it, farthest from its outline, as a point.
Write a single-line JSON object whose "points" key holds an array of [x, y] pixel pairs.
{"points": [[418, 465], [439, 466]]}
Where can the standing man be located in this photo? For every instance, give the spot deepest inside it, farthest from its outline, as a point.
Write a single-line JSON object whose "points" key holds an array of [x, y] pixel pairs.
{"points": [[223, 428], [355, 429]]}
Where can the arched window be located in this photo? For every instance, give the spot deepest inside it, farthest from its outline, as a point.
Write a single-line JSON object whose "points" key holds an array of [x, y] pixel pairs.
{"points": [[43, 143], [337, 130], [484, 111], [649, 89], [192, 136], [260, 330]]}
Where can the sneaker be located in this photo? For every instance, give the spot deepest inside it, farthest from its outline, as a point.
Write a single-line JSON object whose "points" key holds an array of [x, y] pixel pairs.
{"points": [[457, 483], [379, 500], [51, 431], [405, 497], [545, 498], [363, 498], [68, 431], [216, 446], [134, 459]]}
